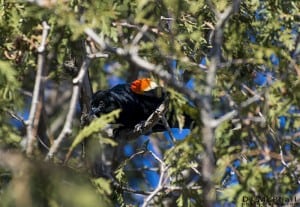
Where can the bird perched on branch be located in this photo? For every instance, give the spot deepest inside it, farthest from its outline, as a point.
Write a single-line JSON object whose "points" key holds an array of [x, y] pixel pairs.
{"points": [[137, 101]]}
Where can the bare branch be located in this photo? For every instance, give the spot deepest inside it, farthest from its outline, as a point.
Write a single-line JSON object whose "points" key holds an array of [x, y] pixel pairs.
{"points": [[167, 126], [180, 188], [98, 55], [286, 166], [253, 93], [130, 190], [37, 92], [67, 129], [16, 117], [207, 115], [42, 46], [139, 35], [292, 138], [233, 113], [124, 23], [165, 188], [282, 158], [160, 185], [166, 18]]}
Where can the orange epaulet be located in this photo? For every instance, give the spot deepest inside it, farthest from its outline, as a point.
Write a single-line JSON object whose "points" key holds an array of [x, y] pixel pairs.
{"points": [[143, 85]]}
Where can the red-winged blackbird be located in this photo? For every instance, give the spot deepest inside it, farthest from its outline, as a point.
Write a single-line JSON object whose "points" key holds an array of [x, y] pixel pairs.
{"points": [[137, 101]]}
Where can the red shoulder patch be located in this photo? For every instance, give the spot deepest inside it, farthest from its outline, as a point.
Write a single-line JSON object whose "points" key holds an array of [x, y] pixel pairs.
{"points": [[142, 85]]}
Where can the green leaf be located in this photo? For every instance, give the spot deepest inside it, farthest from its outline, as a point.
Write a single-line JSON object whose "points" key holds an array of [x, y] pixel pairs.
{"points": [[180, 201], [107, 141], [103, 185], [120, 174], [95, 126]]}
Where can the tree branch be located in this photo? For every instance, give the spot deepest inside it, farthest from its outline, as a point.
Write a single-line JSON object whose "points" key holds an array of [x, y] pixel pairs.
{"points": [[160, 186], [207, 115], [36, 104], [233, 113], [67, 129]]}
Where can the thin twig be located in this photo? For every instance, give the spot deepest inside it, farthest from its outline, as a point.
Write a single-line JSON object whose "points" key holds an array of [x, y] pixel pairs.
{"points": [[253, 93], [37, 91], [139, 169], [196, 170], [234, 112], [167, 18], [129, 25], [67, 129], [98, 55], [23, 122], [43, 144], [180, 188], [141, 152], [165, 188], [160, 186], [156, 157], [292, 137], [130, 190], [286, 166], [167, 126], [16, 117]]}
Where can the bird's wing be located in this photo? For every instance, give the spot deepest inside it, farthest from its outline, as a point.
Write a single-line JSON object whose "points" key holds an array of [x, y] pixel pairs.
{"points": [[146, 87]]}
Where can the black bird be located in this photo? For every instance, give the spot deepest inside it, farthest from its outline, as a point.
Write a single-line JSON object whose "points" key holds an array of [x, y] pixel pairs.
{"points": [[137, 101]]}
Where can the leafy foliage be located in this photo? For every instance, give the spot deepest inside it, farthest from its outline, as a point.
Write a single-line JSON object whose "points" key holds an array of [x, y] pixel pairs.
{"points": [[94, 127], [259, 58]]}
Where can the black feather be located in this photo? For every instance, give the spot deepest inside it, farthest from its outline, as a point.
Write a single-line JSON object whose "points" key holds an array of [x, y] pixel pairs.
{"points": [[134, 107]]}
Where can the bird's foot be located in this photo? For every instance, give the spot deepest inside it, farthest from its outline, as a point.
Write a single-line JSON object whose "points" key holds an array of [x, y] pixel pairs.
{"points": [[139, 127]]}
